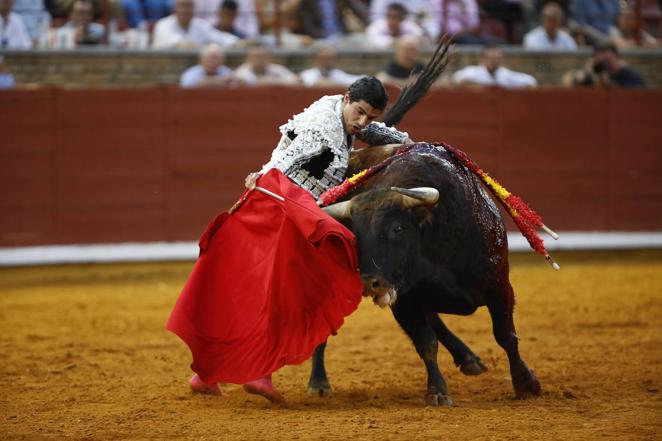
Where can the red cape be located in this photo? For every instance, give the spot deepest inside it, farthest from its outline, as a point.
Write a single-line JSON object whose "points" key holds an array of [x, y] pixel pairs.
{"points": [[273, 280]]}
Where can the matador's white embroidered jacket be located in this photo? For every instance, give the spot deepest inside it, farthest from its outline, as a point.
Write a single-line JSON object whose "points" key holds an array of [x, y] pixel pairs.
{"points": [[313, 150]]}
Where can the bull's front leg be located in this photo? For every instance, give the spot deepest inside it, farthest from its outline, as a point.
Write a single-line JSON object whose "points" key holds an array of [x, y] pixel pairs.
{"points": [[318, 384], [413, 322], [464, 358], [501, 306]]}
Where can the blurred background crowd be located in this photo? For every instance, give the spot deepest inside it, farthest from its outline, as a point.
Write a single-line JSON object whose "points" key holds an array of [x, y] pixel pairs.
{"points": [[328, 26]]}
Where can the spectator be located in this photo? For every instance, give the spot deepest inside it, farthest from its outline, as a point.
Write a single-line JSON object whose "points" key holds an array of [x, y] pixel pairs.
{"points": [[13, 34], [80, 29], [289, 31], [404, 63], [491, 73], [246, 17], [326, 19], [258, 70], [324, 74], [265, 11], [594, 17], [460, 19], [609, 68], [383, 33], [422, 12], [508, 12], [227, 18], [183, 30], [34, 15], [549, 36], [623, 35], [534, 9], [139, 11], [7, 80], [61, 8], [604, 69], [210, 72]]}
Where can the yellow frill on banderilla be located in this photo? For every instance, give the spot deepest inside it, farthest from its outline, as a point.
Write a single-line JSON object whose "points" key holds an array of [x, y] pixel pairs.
{"points": [[357, 176], [500, 191]]}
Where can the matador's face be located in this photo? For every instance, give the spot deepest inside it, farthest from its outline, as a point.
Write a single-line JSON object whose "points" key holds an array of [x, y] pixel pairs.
{"points": [[357, 114]]}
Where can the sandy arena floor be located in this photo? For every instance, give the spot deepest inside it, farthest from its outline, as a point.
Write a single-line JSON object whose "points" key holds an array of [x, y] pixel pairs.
{"points": [[83, 355]]}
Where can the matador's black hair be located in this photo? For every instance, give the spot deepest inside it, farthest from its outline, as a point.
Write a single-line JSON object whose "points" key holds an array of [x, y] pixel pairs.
{"points": [[370, 90]]}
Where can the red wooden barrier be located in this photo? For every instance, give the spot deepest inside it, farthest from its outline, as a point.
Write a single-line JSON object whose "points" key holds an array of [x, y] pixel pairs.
{"points": [[151, 165]]}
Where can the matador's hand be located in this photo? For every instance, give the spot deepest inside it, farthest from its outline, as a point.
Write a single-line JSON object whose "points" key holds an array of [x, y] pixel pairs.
{"points": [[251, 180]]}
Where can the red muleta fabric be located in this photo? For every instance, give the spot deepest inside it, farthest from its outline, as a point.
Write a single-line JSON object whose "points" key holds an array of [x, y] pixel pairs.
{"points": [[273, 280]]}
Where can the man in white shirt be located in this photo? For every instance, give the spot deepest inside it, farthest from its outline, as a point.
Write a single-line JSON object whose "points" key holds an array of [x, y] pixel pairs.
{"points": [[258, 70], [550, 36], [324, 74], [13, 34], [383, 33], [183, 30], [246, 20], [210, 72], [422, 12], [491, 73], [34, 15]]}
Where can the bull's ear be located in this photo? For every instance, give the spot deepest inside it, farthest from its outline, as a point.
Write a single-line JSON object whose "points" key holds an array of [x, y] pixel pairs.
{"points": [[339, 211], [414, 197]]}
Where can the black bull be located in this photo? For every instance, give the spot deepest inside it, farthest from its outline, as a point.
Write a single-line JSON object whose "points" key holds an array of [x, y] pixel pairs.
{"points": [[429, 258]]}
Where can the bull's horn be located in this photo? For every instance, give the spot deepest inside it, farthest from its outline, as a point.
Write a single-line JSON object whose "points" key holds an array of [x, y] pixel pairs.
{"points": [[339, 210], [413, 197]]}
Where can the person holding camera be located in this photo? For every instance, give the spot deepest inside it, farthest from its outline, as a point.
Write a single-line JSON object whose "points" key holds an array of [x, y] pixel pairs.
{"points": [[605, 68]]}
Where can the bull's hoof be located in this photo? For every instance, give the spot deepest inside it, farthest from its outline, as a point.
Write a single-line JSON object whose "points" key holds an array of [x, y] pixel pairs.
{"points": [[319, 389], [527, 387], [531, 391], [472, 365], [436, 399]]}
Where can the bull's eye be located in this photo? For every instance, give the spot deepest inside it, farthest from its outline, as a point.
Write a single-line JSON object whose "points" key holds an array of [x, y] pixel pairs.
{"points": [[398, 229]]}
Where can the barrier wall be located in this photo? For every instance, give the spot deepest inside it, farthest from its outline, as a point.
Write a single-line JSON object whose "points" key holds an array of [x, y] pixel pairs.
{"points": [[113, 68], [100, 166]]}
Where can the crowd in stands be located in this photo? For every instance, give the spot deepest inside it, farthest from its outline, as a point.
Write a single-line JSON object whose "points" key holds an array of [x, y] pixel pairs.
{"points": [[538, 24], [405, 26]]}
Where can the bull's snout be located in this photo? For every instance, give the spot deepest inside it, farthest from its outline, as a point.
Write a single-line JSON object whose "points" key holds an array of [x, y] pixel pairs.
{"points": [[374, 284], [382, 293]]}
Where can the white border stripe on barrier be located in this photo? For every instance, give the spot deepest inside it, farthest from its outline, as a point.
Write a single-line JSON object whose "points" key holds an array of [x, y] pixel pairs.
{"points": [[164, 251]]}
